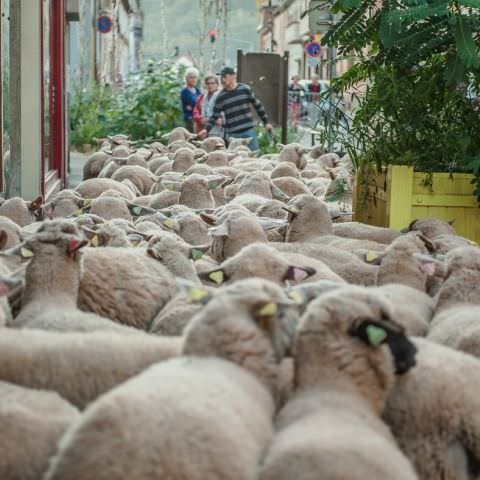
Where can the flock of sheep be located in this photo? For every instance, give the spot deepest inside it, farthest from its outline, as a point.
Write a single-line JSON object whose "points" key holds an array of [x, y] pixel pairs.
{"points": [[189, 312]]}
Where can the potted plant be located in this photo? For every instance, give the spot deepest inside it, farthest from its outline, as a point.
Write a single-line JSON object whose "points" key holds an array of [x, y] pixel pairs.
{"points": [[414, 137]]}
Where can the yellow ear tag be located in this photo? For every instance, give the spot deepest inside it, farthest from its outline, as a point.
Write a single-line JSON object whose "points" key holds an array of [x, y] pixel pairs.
{"points": [[168, 223], [94, 241], [218, 277], [86, 203], [196, 295], [371, 256], [26, 253], [471, 242], [297, 297], [77, 213], [268, 310]]}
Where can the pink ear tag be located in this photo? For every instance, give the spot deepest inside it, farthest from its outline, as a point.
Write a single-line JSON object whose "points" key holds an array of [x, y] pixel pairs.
{"points": [[299, 274], [429, 268]]}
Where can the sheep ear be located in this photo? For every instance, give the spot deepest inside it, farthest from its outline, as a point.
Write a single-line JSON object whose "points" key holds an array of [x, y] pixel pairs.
{"points": [[36, 204], [3, 239], [19, 250], [217, 277], [271, 223], [298, 274], [278, 194], [297, 295], [208, 219], [451, 222], [84, 203], [375, 333], [9, 284], [170, 224], [139, 210], [171, 185], [294, 210], [215, 181], [410, 226], [222, 230], [197, 252], [48, 209], [135, 239], [432, 266], [280, 146], [195, 293], [74, 245], [231, 155], [430, 246]]}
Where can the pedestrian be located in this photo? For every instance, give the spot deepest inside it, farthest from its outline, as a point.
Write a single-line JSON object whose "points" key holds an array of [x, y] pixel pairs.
{"points": [[314, 88], [295, 94], [189, 96], [204, 108], [234, 102]]}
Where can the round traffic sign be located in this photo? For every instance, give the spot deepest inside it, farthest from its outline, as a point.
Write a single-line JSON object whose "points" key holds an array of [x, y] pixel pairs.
{"points": [[313, 49], [104, 24]]}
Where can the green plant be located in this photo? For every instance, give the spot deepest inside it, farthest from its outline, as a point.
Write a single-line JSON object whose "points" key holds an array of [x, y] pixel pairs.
{"points": [[268, 143], [417, 65], [144, 108]]}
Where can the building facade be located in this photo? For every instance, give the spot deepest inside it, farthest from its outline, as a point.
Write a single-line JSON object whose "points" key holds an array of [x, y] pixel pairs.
{"points": [[46, 46], [281, 29]]}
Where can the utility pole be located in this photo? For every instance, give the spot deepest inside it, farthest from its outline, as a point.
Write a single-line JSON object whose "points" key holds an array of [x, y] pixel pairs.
{"points": [[272, 24]]}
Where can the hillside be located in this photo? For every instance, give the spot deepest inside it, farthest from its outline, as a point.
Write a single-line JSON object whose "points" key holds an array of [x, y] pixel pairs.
{"points": [[183, 26]]}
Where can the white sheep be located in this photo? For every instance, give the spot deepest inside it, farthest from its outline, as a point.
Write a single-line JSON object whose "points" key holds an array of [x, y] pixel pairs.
{"points": [[347, 353], [213, 407]]}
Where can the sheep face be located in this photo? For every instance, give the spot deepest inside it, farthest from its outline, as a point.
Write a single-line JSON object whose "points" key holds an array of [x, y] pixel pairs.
{"points": [[308, 217], [257, 260], [249, 316], [351, 330], [430, 227]]}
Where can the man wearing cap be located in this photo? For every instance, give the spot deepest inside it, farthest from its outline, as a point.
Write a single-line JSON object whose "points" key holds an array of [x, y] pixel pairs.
{"points": [[234, 101]]}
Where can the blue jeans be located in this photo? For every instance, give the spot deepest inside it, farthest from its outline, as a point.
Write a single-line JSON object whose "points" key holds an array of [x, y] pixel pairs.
{"points": [[250, 133]]}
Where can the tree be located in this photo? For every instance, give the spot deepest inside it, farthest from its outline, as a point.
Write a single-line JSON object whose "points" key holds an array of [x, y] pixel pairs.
{"points": [[225, 30], [420, 63], [205, 12], [218, 18]]}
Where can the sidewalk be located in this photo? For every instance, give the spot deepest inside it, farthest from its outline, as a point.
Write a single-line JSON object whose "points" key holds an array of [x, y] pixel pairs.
{"points": [[77, 160]]}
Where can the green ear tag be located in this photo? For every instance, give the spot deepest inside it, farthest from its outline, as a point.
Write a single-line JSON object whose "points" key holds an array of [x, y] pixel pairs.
{"points": [[217, 277], [196, 254], [376, 335], [137, 211]]}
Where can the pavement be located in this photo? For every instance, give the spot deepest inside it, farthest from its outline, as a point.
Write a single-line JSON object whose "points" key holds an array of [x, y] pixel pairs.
{"points": [[77, 160]]}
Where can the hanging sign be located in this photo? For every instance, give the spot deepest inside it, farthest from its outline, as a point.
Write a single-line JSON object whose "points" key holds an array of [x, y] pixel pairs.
{"points": [[104, 24]]}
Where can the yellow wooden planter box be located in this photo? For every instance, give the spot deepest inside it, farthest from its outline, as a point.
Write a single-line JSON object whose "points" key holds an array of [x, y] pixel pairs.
{"points": [[398, 197]]}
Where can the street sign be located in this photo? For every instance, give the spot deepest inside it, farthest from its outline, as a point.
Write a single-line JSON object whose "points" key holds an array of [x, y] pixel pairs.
{"points": [[313, 49], [320, 18], [104, 24]]}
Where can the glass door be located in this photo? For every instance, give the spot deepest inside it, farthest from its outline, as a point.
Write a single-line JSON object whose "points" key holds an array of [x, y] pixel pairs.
{"points": [[4, 90]]}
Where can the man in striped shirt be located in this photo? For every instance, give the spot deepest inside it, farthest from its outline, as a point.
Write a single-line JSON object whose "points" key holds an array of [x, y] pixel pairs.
{"points": [[234, 101]]}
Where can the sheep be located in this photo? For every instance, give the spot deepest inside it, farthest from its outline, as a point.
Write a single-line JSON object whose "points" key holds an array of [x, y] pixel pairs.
{"points": [[432, 412], [343, 263], [183, 159], [94, 164], [176, 255], [219, 398], [219, 159], [10, 233], [235, 232], [32, 423], [235, 143], [79, 366], [272, 209], [398, 263], [431, 227], [65, 203], [124, 285], [178, 134], [195, 191], [52, 281], [94, 187], [409, 307], [108, 208], [293, 153], [446, 242], [261, 260], [309, 220], [285, 169], [211, 144], [361, 231], [107, 235], [141, 177], [157, 161], [191, 228], [199, 168], [111, 167], [291, 186], [137, 159], [347, 352], [21, 212], [459, 328]]}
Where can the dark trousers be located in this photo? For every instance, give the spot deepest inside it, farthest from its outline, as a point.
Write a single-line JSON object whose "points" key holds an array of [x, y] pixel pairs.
{"points": [[189, 125]]}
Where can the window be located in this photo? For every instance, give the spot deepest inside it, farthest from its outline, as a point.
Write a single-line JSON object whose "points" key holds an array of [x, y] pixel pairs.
{"points": [[4, 89]]}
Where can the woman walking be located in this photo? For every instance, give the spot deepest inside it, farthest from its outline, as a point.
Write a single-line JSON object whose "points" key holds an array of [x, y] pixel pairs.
{"points": [[189, 95], [204, 108]]}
